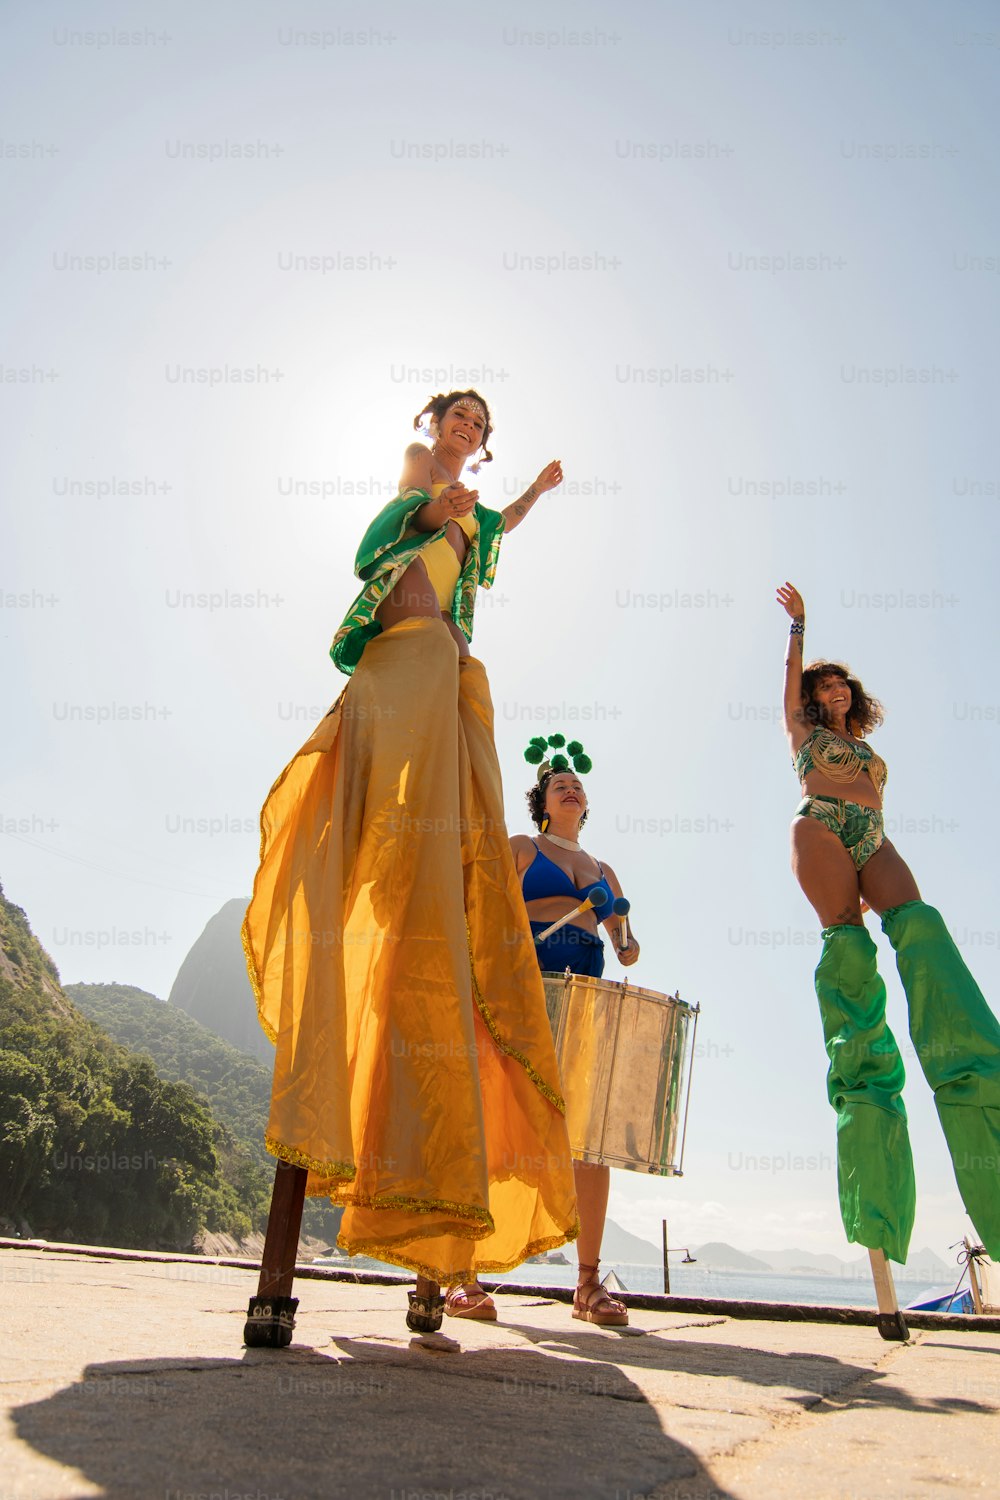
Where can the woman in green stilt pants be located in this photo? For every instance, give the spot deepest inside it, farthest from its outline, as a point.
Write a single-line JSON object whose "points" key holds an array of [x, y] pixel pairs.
{"points": [[842, 860]]}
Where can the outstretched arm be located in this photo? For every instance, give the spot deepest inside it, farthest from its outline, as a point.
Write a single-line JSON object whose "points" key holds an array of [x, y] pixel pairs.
{"points": [[796, 727], [550, 476], [455, 501]]}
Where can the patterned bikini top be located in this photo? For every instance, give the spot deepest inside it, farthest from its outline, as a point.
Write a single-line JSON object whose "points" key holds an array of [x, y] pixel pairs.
{"points": [[838, 759]]}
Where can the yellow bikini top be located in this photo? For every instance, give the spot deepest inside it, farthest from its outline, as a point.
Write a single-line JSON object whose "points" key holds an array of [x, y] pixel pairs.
{"points": [[838, 759], [440, 558], [468, 523]]}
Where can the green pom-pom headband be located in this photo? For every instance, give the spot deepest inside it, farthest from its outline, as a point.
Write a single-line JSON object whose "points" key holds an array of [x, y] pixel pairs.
{"points": [[539, 747]]}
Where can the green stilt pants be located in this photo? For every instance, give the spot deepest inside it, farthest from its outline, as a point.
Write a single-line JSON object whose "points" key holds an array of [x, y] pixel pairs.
{"points": [[864, 1083], [957, 1039]]}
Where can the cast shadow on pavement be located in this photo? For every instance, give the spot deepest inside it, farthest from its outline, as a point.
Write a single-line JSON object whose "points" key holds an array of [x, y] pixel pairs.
{"points": [[386, 1419], [297, 1424]]}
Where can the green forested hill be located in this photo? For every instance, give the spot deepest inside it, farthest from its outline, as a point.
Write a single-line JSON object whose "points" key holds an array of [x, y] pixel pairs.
{"points": [[236, 1086], [95, 1145]]}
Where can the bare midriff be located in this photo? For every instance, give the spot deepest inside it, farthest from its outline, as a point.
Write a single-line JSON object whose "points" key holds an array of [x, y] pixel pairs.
{"points": [[414, 594], [861, 790]]}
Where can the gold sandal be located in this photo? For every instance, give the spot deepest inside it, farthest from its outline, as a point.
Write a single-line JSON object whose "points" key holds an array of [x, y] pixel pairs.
{"points": [[478, 1304], [593, 1303]]}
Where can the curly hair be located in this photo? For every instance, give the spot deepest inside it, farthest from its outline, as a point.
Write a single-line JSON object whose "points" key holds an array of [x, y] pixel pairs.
{"points": [[535, 798], [439, 405], [865, 712]]}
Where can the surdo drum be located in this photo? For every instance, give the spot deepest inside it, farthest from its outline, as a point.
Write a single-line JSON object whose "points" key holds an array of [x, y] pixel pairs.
{"points": [[625, 1061]]}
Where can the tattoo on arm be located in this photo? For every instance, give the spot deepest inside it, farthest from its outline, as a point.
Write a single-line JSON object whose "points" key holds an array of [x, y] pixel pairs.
{"points": [[526, 501], [519, 508], [796, 635]]}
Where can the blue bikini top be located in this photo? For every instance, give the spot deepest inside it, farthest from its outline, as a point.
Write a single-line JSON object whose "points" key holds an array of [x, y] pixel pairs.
{"points": [[544, 877]]}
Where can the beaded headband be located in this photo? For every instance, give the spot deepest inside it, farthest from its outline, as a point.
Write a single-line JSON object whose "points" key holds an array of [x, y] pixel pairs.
{"points": [[472, 404], [537, 752]]}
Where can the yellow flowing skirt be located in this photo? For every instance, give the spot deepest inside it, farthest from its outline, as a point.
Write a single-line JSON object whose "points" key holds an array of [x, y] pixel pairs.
{"points": [[393, 964]]}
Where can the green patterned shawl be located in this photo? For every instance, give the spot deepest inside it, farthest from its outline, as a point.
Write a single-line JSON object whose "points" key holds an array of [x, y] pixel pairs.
{"points": [[385, 554]]}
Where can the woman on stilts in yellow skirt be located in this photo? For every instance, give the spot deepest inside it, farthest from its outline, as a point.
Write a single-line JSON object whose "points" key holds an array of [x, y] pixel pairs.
{"points": [[415, 1075]]}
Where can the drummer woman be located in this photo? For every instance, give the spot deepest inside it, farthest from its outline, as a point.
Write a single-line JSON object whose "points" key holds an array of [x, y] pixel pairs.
{"points": [[844, 864], [557, 874], [414, 1055]]}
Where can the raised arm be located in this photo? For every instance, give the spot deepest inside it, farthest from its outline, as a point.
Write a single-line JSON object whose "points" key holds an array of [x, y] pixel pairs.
{"points": [[550, 476], [796, 726]]}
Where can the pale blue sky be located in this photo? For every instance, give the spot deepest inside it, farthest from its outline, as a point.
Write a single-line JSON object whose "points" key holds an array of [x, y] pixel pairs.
{"points": [[676, 148]]}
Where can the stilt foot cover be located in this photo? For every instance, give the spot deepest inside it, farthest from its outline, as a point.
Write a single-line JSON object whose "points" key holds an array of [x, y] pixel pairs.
{"points": [[270, 1321], [892, 1327]]}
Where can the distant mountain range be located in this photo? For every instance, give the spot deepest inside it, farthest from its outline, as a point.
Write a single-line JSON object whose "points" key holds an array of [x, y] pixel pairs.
{"points": [[726, 1257], [922, 1263], [213, 985], [624, 1248]]}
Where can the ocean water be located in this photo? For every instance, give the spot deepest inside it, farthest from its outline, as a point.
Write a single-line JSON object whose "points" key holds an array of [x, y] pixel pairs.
{"points": [[699, 1281], [738, 1286]]}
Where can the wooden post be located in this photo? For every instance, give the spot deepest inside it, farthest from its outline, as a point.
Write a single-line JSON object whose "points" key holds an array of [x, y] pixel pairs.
{"points": [[666, 1263], [889, 1320], [977, 1291], [271, 1314]]}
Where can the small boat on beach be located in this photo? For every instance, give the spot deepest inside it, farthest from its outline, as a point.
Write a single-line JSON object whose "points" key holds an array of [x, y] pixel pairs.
{"points": [[945, 1302], [982, 1295]]}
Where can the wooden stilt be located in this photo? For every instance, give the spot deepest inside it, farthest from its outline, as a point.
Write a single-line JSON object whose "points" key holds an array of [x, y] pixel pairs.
{"points": [[271, 1314], [889, 1321], [977, 1292], [666, 1266]]}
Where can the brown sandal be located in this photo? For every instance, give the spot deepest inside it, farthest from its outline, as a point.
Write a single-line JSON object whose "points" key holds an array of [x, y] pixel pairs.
{"points": [[593, 1303], [477, 1304]]}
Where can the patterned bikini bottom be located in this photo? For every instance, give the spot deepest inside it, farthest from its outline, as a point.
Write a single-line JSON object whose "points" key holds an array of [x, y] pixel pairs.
{"points": [[861, 830]]}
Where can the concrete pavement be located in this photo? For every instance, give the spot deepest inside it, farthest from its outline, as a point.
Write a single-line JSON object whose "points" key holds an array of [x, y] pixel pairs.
{"points": [[127, 1379]]}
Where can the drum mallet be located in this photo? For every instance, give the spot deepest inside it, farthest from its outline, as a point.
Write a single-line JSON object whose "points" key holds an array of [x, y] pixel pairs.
{"points": [[621, 907], [595, 903]]}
